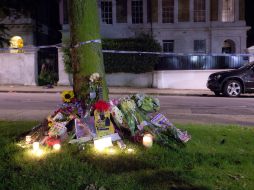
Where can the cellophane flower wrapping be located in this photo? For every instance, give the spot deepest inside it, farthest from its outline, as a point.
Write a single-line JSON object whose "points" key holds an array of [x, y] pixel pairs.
{"points": [[146, 103]]}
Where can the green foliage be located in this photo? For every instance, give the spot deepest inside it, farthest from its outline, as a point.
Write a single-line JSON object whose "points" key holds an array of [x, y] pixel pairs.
{"points": [[14, 8], [47, 75], [217, 157], [67, 56], [130, 63]]}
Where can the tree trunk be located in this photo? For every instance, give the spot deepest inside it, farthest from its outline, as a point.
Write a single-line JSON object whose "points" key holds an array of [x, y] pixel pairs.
{"points": [[86, 59]]}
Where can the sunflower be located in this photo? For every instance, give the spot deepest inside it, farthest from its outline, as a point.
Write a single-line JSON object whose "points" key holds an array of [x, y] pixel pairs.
{"points": [[67, 96]]}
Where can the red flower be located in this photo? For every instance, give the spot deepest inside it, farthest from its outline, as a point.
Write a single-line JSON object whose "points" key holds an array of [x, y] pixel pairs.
{"points": [[102, 106]]}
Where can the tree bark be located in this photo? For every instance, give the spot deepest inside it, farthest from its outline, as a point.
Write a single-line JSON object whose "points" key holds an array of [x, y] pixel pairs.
{"points": [[86, 59]]}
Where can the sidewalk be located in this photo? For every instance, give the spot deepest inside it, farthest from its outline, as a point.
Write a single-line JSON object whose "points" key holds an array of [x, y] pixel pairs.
{"points": [[112, 90]]}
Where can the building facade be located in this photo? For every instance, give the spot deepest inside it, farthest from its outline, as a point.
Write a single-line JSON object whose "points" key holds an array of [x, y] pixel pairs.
{"points": [[181, 26]]}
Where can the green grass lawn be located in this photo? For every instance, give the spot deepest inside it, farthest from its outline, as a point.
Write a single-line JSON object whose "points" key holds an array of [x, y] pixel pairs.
{"points": [[217, 157]]}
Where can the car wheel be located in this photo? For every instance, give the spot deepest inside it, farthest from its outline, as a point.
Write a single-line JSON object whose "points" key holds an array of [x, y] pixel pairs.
{"points": [[232, 88], [217, 93]]}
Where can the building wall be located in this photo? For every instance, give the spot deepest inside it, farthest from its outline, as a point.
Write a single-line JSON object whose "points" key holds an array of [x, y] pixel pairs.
{"points": [[183, 33]]}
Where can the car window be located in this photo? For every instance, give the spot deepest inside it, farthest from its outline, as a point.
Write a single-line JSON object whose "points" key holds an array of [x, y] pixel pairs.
{"points": [[247, 66]]}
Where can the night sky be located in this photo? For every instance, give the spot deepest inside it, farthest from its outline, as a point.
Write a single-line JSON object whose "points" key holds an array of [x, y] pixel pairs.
{"points": [[249, 14]]}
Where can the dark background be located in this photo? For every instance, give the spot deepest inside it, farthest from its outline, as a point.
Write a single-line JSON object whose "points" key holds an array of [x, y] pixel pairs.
{"points": [[249, 15]]}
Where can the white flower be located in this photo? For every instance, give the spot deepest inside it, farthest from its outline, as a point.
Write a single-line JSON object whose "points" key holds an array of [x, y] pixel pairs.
{"points": [[94, 77]]}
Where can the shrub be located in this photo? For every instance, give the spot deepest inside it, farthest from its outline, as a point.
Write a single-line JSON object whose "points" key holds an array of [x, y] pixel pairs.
{"points": [[130, 63]]}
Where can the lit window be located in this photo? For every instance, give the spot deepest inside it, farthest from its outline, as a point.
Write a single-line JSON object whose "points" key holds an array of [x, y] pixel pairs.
{"points": [[168, 11], [199, 11], [106, 12], [168, 45], [228, 13], [199, 46], [137, 11]]}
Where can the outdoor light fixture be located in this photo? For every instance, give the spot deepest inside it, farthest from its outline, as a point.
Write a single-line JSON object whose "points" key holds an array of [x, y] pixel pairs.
{"points": [[101, 144], [16, 42], [148, 140]]}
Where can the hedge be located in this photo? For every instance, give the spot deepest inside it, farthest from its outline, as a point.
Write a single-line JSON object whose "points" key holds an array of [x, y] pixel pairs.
{"points": [[130, 63]]}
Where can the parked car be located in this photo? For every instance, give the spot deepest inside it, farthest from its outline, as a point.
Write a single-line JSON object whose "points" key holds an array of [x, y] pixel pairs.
{"points": [[232, 83]]}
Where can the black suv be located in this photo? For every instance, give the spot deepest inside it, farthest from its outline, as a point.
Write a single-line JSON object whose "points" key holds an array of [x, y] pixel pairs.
{"points": [[233, 82]]}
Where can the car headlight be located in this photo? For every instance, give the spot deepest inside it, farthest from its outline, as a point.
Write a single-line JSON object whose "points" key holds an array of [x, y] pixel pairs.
{"points": [[216, 77]]}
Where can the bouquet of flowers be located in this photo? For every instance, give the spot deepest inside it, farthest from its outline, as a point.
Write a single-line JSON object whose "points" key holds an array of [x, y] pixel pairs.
{"points": [[146, 103]]}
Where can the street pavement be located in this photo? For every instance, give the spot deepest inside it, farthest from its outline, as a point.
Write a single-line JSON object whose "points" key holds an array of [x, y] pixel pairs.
{"points": [[180, 106], [112, 90]]}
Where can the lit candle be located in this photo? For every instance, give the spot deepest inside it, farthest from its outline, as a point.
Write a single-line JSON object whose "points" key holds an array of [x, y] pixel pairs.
{"points": [[28, 139], [130, 150], [148, 140], [101, 144], [36, 146], [56, 146]]}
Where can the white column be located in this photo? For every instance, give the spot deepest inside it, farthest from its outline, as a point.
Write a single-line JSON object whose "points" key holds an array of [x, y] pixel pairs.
{"points": [[114, 11], [207, 6], [99, 11], [159, 11], [176, 11], [220, 10], [129, 17], [64, 78], [144, 11], [236, 10], [191, 10]]}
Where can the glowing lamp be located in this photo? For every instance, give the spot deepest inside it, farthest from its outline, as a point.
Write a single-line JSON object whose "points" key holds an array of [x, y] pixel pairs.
{"points": [[36, 146], [56, 146], [148, 140], [101, 144], [16, 42]]}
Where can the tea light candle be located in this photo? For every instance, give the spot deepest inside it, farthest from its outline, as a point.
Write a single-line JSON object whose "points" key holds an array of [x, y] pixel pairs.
{"points": [[148, 140], [36, 146], [56, 146], [28, 139]]}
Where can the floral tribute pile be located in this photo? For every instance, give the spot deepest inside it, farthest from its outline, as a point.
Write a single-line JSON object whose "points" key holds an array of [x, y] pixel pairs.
{"points": [[134, 117]]}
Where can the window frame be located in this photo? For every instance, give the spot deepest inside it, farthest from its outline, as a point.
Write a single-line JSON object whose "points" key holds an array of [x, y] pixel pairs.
{"points": [[107, 12], [137, 12], [166, 46], [197, 46]]}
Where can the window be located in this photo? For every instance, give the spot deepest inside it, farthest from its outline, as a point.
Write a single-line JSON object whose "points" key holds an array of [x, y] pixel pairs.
{"points": [[214, 8], [199, 46], [167, 11], [183, 10], [106, 12], [121, 11], [152, 11], [168, 45], [199, 11], [228, 13], [137, 11]]}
